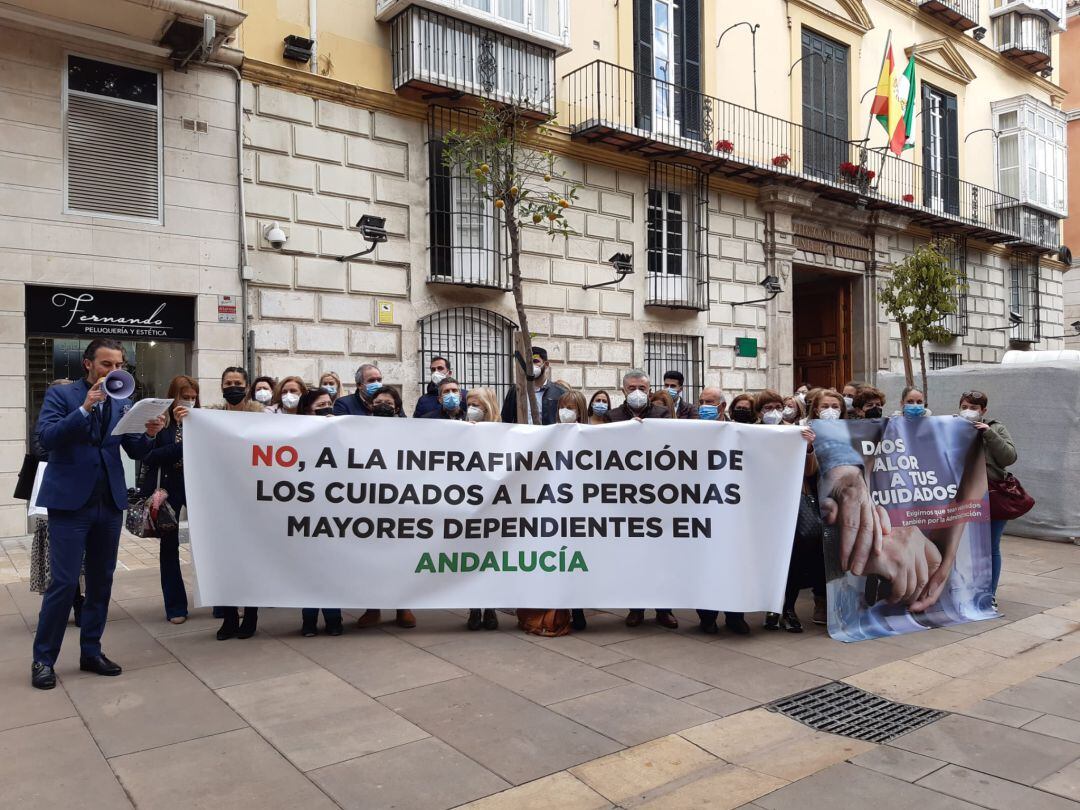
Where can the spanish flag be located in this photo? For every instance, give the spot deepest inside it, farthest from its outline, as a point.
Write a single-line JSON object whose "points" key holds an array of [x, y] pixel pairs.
{"points": [[894, 102]]}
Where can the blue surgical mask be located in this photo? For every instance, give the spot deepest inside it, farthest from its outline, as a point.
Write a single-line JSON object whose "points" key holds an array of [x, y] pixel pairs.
{"points": [[673, 393], [451, 402], [372, 388], [710, 412], [599, 408], [915, 411], [330, 389]]}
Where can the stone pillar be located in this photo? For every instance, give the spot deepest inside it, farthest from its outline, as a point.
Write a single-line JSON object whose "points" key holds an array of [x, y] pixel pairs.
{"points": [[884, 227]]}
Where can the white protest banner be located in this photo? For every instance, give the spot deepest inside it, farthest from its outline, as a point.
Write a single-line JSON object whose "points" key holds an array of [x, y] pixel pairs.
{"points": [[368, 512]]}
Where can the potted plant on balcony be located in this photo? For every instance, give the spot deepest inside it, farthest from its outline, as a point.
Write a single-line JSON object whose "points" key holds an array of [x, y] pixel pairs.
{"points": [[908, 198], [725, 147], [782, 160], [520, 181], [856, 173]]}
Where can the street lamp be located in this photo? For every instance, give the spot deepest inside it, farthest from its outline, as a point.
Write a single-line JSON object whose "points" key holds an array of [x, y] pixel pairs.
{"points": [[622, 263], [753, 48]]}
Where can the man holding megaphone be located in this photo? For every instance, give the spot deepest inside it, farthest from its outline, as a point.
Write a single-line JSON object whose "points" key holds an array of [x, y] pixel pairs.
{"points": [[85, 493]]}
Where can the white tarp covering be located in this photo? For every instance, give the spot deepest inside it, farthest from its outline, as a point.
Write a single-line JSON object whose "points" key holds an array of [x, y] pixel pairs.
{"points": [[1040, 405]]}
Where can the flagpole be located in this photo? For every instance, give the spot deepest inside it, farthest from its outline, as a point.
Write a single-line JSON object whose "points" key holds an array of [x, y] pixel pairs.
{"points": [[884, 56]]}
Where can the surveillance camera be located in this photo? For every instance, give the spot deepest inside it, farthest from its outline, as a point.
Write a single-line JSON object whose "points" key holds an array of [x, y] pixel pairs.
{"points": [[275, 236]]}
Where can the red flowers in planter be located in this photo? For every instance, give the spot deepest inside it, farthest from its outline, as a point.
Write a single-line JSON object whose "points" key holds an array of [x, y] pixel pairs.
{"points": [[854, 173], [781, 160], [727, 147], [908, 198]]}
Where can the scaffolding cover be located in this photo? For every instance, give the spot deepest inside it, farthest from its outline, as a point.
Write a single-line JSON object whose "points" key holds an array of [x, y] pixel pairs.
{"points": [[1040, 406]]}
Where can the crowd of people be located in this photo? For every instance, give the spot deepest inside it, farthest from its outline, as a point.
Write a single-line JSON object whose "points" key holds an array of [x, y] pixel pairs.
{"points": [[75, 419]]}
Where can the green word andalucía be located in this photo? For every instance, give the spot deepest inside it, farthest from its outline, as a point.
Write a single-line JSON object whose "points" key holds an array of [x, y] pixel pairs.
{"points": [[463, 562]]}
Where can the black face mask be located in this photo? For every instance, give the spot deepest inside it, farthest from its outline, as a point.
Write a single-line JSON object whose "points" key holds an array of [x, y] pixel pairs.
{"points": [[742, 415], [234, 395], [383, 410], [872, 413], [323, 411]]}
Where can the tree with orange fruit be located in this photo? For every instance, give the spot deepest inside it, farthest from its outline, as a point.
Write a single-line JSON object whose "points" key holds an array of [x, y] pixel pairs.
{"points": [[517, 176]]}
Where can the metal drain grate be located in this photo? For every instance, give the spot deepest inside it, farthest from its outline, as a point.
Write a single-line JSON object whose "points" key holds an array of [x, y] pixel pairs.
{"points": [[842, 709]]}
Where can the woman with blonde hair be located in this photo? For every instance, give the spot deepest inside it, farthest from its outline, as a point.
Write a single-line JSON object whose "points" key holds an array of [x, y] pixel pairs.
{"points": [[482, 405], [331, 383], [572, 408], [287, 395]]}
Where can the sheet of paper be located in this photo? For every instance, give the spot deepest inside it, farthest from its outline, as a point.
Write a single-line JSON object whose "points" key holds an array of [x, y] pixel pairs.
{"points": [[134, 421]]}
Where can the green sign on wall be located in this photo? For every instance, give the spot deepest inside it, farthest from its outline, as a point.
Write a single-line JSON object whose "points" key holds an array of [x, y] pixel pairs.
{"points": [[746, 347]]}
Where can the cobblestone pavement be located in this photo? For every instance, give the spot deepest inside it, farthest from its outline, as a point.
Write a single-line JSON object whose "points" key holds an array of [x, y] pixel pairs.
{"points": [[438, 717]]}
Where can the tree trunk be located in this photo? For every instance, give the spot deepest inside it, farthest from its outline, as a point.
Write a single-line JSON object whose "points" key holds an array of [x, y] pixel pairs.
{"points": [[909, 374], [526, 400], [922, 369]]}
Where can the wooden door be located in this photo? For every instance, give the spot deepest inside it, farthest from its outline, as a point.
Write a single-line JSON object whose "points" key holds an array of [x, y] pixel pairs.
{"points": [[823, 333]]}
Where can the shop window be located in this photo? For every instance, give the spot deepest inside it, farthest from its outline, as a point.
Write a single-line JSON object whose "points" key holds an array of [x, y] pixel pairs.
{"points": [[676, 215], [112, 140], [478, 343], [1024, 297], [685, 353], [465, 229]]}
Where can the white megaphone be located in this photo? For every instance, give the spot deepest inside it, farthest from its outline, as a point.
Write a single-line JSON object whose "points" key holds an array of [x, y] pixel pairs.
{"points": [[119, 384]]}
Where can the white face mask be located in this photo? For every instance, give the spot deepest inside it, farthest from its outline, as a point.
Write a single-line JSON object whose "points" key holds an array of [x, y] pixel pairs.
{"points": [[971, 414], [567, 415], [437, 377], [474, 414], [849, 401], [264, 395], [771, 417], [290, 401], [538, 370], [801, 398], [788, 414], [829, 413], [637, 400]]}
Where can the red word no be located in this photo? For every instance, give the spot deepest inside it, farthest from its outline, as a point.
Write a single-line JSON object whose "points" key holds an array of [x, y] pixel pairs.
{"points": [[269, 455]]}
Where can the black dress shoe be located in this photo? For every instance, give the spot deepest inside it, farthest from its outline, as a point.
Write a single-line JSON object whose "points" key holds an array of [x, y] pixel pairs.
{"points": [[736, 623], [772, 621], [491, 619], [228, 628], [577, 619], [476, 619], [99, 665], [42, 676], [249, 623], [791, 622]]}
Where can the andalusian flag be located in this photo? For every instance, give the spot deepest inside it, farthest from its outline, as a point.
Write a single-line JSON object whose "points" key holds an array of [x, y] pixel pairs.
{"points": [[894, 103]]}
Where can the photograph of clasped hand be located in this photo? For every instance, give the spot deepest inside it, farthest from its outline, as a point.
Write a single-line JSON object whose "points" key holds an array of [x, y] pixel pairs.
{"points": [[906, 517]]}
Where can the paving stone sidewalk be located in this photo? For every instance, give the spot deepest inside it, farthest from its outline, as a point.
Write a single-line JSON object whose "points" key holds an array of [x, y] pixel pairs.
{"points": [[438, 717]]}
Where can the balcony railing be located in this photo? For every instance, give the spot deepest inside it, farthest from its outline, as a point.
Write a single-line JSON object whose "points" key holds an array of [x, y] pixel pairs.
{"points": [[960, 14], [1023, 38], [605, 106]]}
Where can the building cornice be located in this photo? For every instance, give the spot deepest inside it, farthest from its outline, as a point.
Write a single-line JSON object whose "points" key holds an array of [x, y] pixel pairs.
{"points": [[858, 19]]}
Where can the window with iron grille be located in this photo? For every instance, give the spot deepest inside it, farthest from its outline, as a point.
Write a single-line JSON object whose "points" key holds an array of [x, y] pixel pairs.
{"points": [[676, 217], [466, 231], [685, 353], [478, 343], [434, 50], [112, 140], [954, 248], [1024, 297], [940, 360]]}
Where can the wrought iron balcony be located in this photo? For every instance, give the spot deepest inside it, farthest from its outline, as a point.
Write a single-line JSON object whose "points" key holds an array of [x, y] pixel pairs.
{"points": [[442, 56], [724, 138], [960, 14]]}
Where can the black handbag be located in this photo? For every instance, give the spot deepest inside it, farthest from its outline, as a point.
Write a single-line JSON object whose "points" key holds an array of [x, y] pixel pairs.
{"points": [[24, 484], [809, 527]]}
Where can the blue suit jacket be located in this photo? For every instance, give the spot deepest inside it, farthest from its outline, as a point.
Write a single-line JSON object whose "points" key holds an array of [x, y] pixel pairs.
{"points": [[75, 462]]}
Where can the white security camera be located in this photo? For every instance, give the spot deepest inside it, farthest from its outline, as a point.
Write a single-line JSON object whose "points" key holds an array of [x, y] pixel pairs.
{"points": [[275, 236]]}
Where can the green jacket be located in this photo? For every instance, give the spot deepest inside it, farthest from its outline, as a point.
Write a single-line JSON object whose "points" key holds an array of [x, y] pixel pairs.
{"points": [[999, 449]]}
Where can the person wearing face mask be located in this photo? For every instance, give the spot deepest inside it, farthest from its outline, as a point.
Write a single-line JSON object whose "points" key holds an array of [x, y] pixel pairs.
{"points": [[482, 405], [451, 404], [1000, 452], [913, 404], [869, 403], [547, 393], [387, 404], [769, 407], [572, 408], [599, 405], [331, 383], [673, 385], [741, 409], [234, 390], [287, 395], [164, 467], [712, 406], [439, 369], [262, 390], [369, 382], [850, 391], [636, 406], [318, 402], [793, 412]]}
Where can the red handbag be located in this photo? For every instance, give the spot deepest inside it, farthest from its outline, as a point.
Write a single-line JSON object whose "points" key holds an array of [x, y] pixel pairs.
{"points": [[1009, 500]]}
